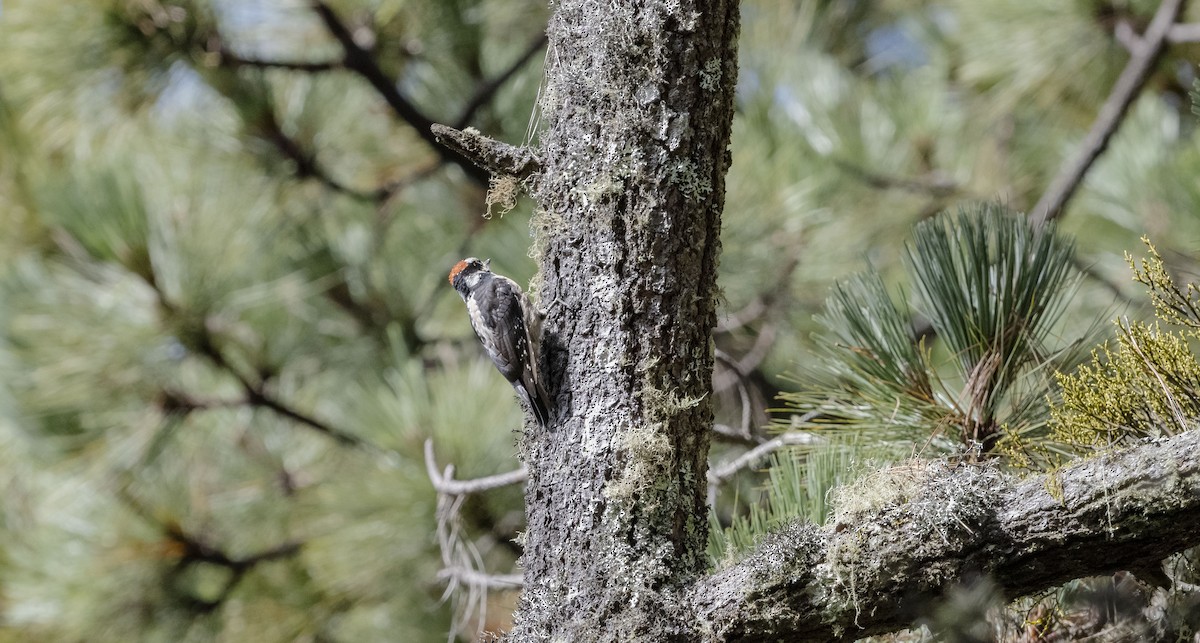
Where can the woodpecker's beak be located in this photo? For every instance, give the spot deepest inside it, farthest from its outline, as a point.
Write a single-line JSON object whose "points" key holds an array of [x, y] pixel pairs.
{"points": [[487, 264]]}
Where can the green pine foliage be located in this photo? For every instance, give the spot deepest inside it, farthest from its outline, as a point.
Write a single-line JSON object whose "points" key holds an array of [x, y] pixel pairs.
{"points": [[220, 356], [992, 287], [797, 488], [195, 245]]}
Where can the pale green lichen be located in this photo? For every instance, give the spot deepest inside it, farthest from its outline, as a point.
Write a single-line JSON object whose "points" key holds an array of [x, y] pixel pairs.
{"points": [[710, 76], [888, 487], [663, 404], [935, 504], [648, 455], [687, 177], [603, 187], [503, 190]]}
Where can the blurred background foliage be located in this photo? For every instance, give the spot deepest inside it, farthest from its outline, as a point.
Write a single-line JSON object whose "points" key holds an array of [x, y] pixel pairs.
{"points": [[226, 334]]}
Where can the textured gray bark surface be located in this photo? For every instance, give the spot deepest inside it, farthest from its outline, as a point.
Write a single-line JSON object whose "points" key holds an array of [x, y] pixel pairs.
{"points": [[638, 106], [629, 181], [873, 573]]}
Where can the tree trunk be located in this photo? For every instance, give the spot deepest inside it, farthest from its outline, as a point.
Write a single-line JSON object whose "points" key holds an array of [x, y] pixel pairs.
{"points": [[629, 180], [638, 105]]}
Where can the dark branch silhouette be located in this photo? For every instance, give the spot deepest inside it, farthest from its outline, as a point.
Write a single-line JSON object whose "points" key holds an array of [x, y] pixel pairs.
{"points": [[484, 92], [1145, 52], [360, 61]]}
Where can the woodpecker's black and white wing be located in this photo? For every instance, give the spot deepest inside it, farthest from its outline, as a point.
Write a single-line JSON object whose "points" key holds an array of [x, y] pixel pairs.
{"points": [[498, 317]]}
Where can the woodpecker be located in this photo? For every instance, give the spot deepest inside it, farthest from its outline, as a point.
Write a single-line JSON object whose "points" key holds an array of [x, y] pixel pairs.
{"points": [[502, 318]]}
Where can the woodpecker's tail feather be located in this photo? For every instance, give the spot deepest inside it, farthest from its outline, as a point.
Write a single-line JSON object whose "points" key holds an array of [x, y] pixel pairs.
{"points": [[536, 402]]}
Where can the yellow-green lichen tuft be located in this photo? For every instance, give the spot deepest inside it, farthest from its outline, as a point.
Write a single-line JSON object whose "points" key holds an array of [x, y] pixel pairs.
{"points": [[503, 190], [1179, 307], [1148, 385], [647, 458]]}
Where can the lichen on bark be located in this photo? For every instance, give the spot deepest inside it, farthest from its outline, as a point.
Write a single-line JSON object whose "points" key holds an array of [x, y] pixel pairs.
{"points": [[637, 111]]}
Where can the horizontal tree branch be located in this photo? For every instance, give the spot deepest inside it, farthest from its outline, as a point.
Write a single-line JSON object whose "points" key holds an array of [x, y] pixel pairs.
{"points": [[875, 570], [493, 155], [446, 484]]}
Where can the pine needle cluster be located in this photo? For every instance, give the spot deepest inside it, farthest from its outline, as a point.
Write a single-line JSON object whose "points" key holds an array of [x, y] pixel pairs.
{"points": [[798, 488], [992, 287]]}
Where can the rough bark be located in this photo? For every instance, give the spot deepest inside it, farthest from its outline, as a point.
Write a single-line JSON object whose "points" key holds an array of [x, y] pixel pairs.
{"points": [[629, 182], [872, 573], [638, 107]]}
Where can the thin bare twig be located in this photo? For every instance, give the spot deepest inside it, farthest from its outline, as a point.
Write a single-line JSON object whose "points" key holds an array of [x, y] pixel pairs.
{"points": [[753, 357], [1125, 34], [444, 483], [469, 576], [726, 433], [460, 554], [763, 306], [1179, 33], [462, 563], [1184, 33], [720, 473], [743, 389], [762, 346], [1129, 84], [726, 470]]}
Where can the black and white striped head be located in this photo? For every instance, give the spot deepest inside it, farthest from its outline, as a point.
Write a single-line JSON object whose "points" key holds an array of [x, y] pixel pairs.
{"points": [[466, 274]]}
